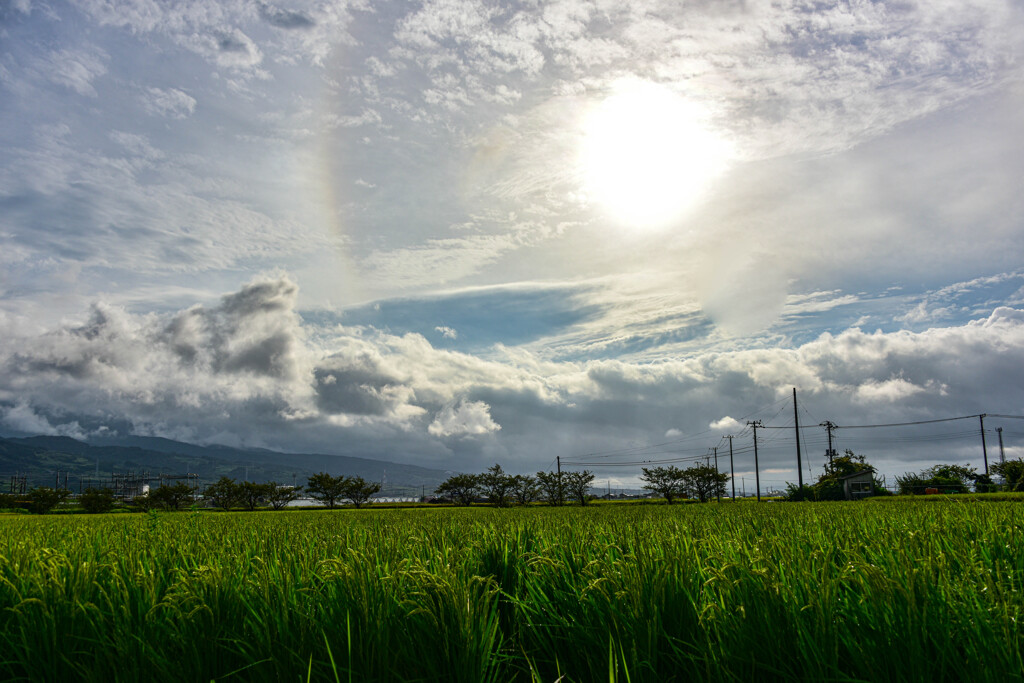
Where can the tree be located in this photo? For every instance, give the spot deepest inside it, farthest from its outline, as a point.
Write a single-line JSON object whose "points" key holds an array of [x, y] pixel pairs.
{"points": [[358, 490], [326, 488], [1012, 472], [496, 485], [705, 482], [943, 477], [252, 494], [460, 488], [577, 485], [42, 499], [670, 482], [94, 500], [525, 489], [552, 484], [224, 493], [171, 496], [279, 495], [830, 486]]}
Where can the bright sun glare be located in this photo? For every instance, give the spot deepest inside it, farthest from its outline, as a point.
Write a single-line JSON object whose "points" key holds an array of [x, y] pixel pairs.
{"points": [[646, 155]]}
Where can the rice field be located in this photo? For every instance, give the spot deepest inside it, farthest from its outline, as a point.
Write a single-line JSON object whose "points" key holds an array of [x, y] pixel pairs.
{"points": [[879, 591]]}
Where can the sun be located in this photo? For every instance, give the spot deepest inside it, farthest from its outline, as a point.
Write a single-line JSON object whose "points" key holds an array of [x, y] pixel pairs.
{"points": [[647, 155]]}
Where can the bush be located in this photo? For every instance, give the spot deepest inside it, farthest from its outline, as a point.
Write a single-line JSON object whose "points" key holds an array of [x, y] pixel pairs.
{"points": [[796, 494], [42, 499], [95, 500]]}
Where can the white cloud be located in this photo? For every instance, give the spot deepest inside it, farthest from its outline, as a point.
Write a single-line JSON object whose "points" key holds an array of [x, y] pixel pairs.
{"points": [[75, 68], [447, 332], [20, 417], [726, 424], [466, 418], [172, 103], [249, 366]]}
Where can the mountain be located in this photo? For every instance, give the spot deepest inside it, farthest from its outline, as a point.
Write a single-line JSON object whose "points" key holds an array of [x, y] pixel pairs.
{"points": [[41, 458]]}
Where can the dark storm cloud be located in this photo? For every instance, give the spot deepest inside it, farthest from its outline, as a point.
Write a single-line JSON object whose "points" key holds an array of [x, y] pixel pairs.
{"points": [[359, 388]]}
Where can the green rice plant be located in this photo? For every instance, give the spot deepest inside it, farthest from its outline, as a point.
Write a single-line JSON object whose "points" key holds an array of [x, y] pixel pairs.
{"points": [[905, 590]]}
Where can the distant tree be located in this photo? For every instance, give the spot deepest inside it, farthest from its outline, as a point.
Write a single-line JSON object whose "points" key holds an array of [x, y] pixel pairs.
{"points": [[7, 500], [42, 499], [326, 488], [577, 485], [224, 493], [983, 484], [830, 485], [944, 477], [358, 490], [461, 489], [143, 503], [279, 495], [670, 482], [705, 482], [496, 485], [1012, 472], [525, 489], [552, 485], [171, 496], [96, 500], [253, 494]]}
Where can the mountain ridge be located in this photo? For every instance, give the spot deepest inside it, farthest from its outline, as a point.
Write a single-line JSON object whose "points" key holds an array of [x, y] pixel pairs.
{"points": [[41, 457]]}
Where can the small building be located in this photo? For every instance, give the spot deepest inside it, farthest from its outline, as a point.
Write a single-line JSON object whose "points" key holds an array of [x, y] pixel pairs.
{"points": [[858, 485]]}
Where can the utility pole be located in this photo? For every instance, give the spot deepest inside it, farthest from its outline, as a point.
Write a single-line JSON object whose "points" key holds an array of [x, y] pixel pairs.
{"points": [[829, 426], [757, 469], [1002, 453], [558, 461], [984, 449], [718, 495], [732, 470], [796, 424]]}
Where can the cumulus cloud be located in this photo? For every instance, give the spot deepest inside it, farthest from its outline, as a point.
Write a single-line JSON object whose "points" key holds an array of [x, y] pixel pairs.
{"points": [[466, 418], [447, 332], [727, 424], [248, 368]]}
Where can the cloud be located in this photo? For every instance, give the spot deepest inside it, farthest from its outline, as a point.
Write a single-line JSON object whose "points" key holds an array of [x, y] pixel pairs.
{"points": [[228, 47], [726, 424], [286, 19], [466, 418], [75, 68], [447, 332], [171, 103], [250, 369]]}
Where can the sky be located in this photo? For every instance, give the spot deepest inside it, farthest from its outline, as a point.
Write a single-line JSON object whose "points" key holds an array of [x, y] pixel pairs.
{"points": [[454, 233]]}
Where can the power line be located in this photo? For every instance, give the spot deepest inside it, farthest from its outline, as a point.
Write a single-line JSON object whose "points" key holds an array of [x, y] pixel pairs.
{"points": [[905, 424]]}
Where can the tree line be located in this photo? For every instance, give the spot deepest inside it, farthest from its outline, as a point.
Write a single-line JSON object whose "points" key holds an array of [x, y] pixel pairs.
{"points": [[943, 478], [498, 488], [226, 494]]}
